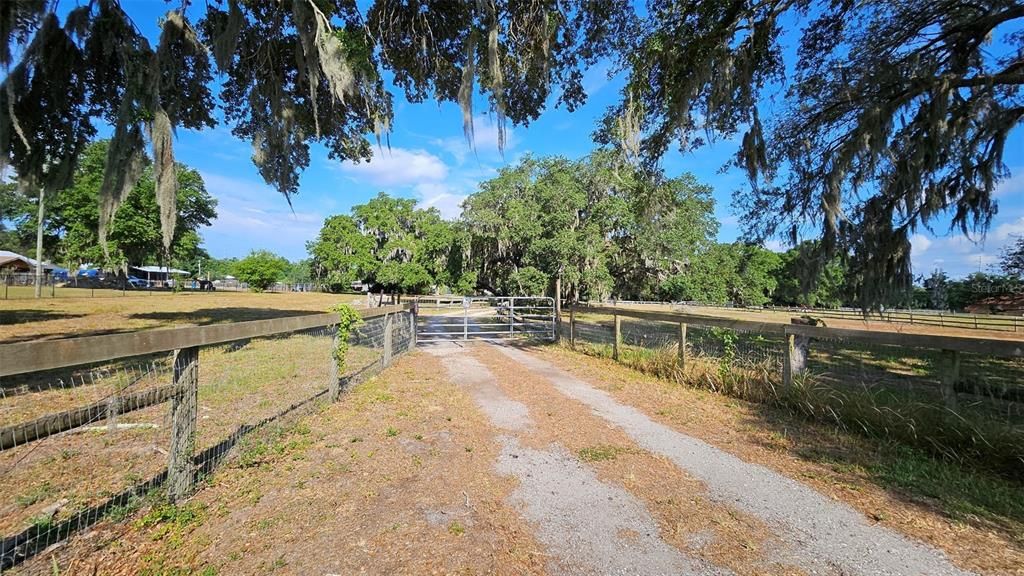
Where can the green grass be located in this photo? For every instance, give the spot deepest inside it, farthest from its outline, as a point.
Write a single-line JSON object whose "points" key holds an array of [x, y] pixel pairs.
{"points": [[603, 453], [963, 493], [36, 494], [968, 437], [272, 443]]}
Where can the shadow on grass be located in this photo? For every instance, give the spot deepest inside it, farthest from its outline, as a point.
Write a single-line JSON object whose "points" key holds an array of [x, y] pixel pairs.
{"points": [[63, 335], [207, 316], [9, 317]]}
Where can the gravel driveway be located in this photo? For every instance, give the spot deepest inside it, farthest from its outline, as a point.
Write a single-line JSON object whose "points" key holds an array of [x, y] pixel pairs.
{"points": [[591, 526]]}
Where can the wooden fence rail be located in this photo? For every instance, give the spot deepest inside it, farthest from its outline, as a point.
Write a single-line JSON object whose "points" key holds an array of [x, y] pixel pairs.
{"points": [[797, 339], [26, 357], [182, 391], [938, 318]]}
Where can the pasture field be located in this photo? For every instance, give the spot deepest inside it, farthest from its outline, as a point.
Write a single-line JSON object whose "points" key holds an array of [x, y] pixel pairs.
{"points": [[49, 318], [869, 323]]}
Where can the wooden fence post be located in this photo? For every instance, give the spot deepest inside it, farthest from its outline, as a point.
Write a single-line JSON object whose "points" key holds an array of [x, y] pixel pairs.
{"points": [[388, 324], [412, 325], [682, 345], [572, 326], [950, 375], [795, 360], [113, 407], [618, 337], [184, 413], [334, 380]]}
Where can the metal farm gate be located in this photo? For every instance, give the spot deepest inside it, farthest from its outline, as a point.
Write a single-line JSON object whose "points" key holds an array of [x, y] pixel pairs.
{"points": [[484, 318]]}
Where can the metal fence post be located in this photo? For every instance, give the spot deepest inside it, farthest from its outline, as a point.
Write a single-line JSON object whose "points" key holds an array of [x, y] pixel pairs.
{"points": [[682, 345], [113, 407], [388, 324], [950, 375], [184, 412], [512, 316], [618, 337]]}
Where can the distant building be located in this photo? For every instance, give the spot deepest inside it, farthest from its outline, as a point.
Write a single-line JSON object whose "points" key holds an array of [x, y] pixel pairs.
{"points": [[1006, 304], [12, 262], [158, 275]]}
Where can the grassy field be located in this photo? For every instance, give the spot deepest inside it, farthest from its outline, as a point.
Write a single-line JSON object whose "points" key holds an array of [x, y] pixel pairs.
{"points": [[49, 318], [869, 323]]}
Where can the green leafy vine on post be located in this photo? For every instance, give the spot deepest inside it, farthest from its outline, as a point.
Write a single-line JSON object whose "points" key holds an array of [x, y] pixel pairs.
{"points": [[348, 318]]}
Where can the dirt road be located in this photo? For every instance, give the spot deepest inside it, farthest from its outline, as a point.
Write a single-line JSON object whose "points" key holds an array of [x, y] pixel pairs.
{"points": [[597, 527], [476, 458]]}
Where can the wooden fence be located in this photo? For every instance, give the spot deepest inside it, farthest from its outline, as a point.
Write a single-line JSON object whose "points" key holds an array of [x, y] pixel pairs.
{"points": [[937, 318], [797, 339], [181, 391]]}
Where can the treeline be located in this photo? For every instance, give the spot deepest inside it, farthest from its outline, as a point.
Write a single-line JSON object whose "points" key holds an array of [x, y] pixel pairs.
{"points": [[589, 229], [993, 291], [71, 219]]}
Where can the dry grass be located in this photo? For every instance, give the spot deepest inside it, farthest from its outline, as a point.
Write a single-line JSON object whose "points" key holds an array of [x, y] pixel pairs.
{"points": [[970, 436], [781, 317], [936, 502], [379, 482], [686, 518], [238, 386], [44, 319]]}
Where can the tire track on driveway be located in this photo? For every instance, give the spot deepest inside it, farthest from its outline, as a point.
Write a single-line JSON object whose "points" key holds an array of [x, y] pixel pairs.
{"points": [[580, 519], [822, 535]]}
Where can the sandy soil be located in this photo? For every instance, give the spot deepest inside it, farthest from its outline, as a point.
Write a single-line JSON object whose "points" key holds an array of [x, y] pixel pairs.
{"points": [[477, 459]]}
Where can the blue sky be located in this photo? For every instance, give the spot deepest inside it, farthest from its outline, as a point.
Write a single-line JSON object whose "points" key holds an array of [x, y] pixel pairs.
{"points": [[430, 160]]}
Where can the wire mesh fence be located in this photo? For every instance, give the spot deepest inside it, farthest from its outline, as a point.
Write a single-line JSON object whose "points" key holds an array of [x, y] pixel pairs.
{"points": [[968, 405], [84, 444]]}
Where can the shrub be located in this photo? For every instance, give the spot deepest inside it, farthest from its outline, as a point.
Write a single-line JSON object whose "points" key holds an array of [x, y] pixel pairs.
{"points": [[261, 269]]}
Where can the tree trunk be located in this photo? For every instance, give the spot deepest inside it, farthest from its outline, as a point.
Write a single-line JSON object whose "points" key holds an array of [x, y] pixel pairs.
{"points": [[558, 297], [39, 243]]}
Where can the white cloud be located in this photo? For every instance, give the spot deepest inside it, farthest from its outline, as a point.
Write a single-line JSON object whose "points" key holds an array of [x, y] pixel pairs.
{"points": [[775, 245], [251, 214], [1012, 185], [1005, 233], [919, 244], [957, 254], [440, 196], [398, 167], [596, 78], [485, 140]]}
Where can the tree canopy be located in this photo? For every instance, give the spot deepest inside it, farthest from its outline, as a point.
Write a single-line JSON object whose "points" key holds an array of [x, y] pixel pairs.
{"points": [[71, 224], [261, 269], [894, 116], [595, 228], [294, 71], [389, 244]]}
